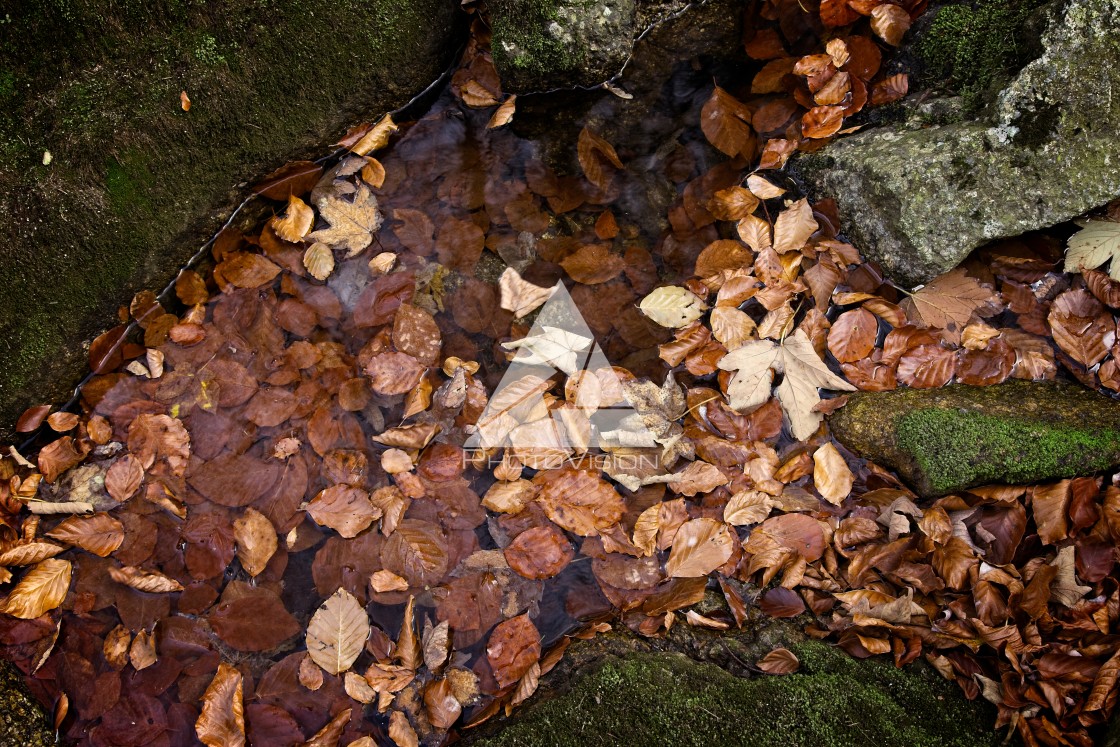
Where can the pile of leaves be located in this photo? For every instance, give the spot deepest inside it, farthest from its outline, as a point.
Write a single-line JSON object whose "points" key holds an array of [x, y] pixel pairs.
{"points": [[278, 538]]}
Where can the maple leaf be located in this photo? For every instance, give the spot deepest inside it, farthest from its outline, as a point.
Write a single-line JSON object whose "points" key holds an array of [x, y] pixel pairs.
{"points": [[352, 223], [1097, 242], [950, 300], [756, 362]]}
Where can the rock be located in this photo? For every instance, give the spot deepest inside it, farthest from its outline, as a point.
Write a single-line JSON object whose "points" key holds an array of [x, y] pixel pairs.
{"points": [[541, 45], [22, 721], [919, 198], [948, 439], [135, 184], [653, 699]]}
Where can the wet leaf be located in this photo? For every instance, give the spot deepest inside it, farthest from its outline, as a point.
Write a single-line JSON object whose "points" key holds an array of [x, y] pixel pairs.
{"points": [[153, 582], [99, 534], [949, 301], [319, 260], [297, 220], [514, 646], [222, 720], [520, 296], [831, 475], [701, 546], [725, 121], [40, 590], [343, 508], [256, 540], [579, 501], [352, 223], [539, 552], [337, 632], [890, 23]]}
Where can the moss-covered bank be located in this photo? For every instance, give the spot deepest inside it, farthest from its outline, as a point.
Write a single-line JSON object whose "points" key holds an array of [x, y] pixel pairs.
{"points": [[655, 699], [942, 440], [134, 182]]}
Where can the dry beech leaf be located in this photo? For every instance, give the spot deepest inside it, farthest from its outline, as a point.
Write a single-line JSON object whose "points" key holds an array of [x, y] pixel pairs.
{"points": [[701, 546], [673, 306], [152, 582], [748, 507], [762, 188], [256, 540], [310, 674], [343, 508], [822, 121], [329, 735], [733, 203], [319, 260], [793, 227], [337, 632], [519, 295], [142, 652], [504, 114], [356, 687], [852, 336], [221, 722], [831, 475], [383, 580], [779, 661], [593, 152], [890, 23], [99, 534], [401, 731], [41, 590], [377, 137], [725, 121], [296, 222]]}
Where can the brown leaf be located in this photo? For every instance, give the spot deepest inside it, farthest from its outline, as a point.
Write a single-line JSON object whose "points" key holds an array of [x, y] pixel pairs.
{"points": [[40, 590], [519, 295], [329, 735], [539, 552], [594, 155], [123, 478], [153, 582], [927, 366], [337, 632], [747, 507], [949, 301], [798, 532], [1050, 507], [343, 508], [890, 23], [401, 732], [725, 121], [296, 222], [57, 457], [822, 121], [142, 652], [831, 475], [246, 270], [592, 264], [440, 704], [256, 540], [99, 534], [779, 661], [514, 646], [391, 373], [503, 115], [1081, 327], [793, 227], [853, 335], [701, 546], [577, 500], [32, 418], [781, 602], [222, 720]]}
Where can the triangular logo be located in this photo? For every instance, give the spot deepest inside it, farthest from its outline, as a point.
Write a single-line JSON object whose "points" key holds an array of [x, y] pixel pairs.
{"points": [[560, 395]]}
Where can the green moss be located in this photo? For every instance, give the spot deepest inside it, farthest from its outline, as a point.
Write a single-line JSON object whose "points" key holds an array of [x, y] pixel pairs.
{"points": [[522, 42], [833, 701], [956, 448], [977, 46]]}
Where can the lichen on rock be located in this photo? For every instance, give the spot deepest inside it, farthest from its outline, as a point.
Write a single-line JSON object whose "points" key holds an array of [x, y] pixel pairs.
{"points": [[949, 439]]}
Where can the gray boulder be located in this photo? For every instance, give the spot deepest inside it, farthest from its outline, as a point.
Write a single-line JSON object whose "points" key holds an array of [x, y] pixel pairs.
{"points": [[919, 197]]}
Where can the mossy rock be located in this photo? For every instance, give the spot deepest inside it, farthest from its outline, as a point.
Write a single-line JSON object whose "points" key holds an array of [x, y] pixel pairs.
{"points": [[135, 184], [919, 197], [655, 699], [952, 438]]}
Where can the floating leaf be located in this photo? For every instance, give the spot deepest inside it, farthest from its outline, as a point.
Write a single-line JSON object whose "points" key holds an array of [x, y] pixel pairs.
{"points": [[673, 306]]}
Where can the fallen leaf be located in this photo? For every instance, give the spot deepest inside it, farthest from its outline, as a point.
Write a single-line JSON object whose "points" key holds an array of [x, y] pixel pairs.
{"points": [[343, 508], [747, 507], [519, 295], [99, 534], [297, 221], [152, 582], [319, 260], [890, 23], [401, 731], [701, 546], [504, 114], [256, 540], [514, 646], [795, 356], [793, 227], [221, 722], [779, 661], [352, 223], [539, 552], [673, 306], [40, 590], [337, 632], [831, 475], [949, 301], [725, 122]]}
